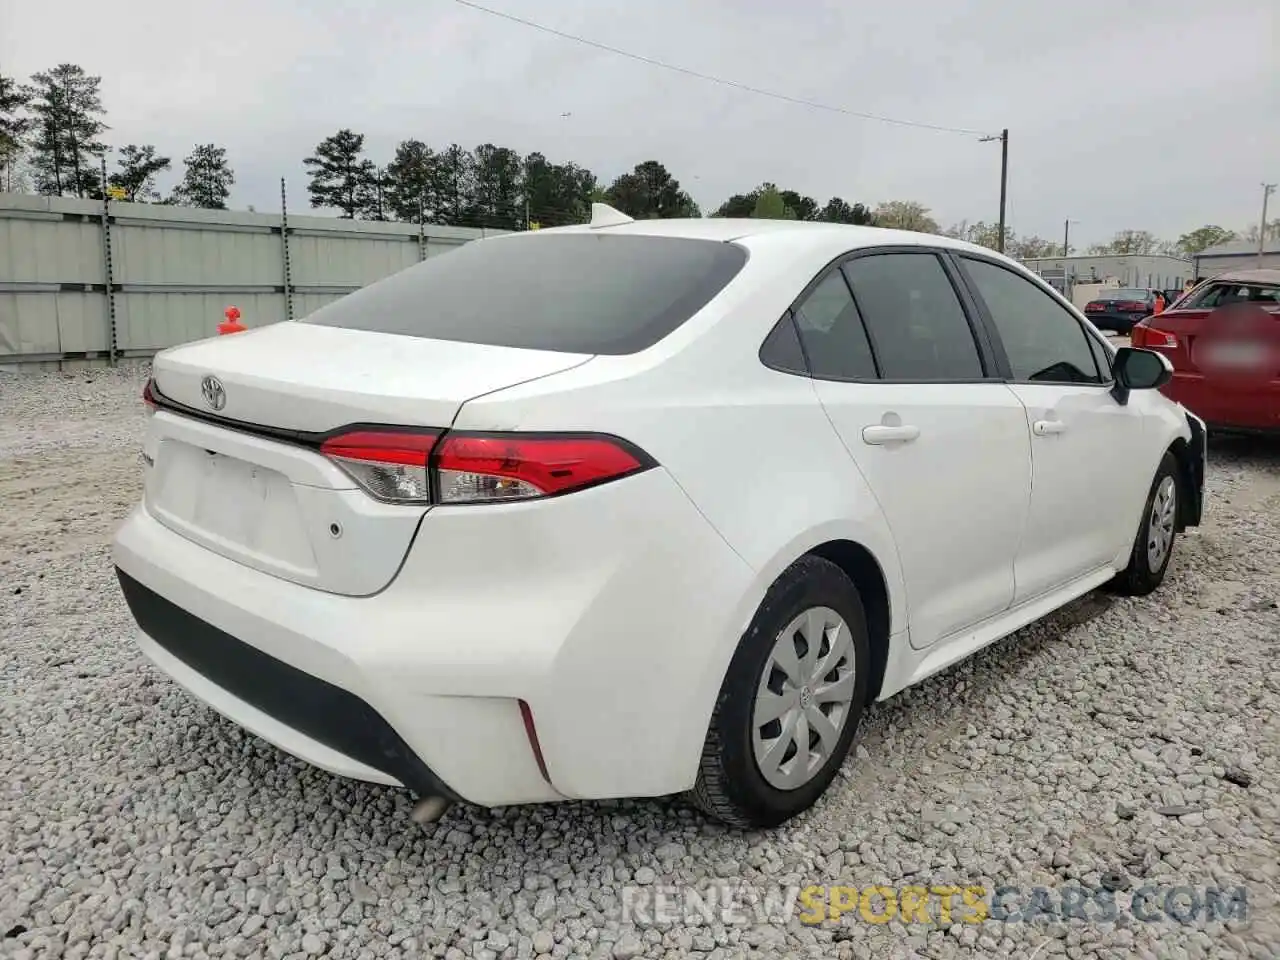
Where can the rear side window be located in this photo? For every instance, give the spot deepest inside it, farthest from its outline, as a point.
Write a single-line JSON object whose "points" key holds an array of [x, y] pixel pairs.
{"points": [[574, 293], [917, 326], [781, 349], [832, 332]]}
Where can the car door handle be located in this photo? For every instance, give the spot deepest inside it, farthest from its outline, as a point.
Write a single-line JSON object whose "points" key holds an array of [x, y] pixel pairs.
{"points": [[1047, 428], [880, 433]]}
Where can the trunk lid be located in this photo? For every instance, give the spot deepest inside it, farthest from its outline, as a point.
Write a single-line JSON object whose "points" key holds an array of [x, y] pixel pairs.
{"points": [[304, 377], [1184, 325], [246, 480]]}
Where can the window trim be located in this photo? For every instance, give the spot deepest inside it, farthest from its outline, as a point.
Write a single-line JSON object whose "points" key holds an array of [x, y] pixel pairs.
{"points": [[1095, 336], [1082, 325], [988, 357]]}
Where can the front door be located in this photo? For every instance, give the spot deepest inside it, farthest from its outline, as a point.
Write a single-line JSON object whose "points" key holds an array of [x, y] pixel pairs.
{"points": [[1085, 445]]}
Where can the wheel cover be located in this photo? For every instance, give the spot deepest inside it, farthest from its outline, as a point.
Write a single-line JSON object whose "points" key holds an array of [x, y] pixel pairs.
{"points": [[804, 699], [1164, 511]]}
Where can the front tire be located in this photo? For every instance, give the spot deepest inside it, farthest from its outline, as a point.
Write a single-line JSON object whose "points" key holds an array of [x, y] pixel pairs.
{"points": [[790, 702], [1153, 546]]}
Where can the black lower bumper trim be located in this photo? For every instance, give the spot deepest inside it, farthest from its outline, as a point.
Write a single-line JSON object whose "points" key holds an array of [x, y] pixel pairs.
{"points": [[1193, 509], [315, 708]]}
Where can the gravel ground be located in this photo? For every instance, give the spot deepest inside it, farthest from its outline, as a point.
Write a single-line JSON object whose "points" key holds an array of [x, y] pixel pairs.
{"points": [[1125, 742]]}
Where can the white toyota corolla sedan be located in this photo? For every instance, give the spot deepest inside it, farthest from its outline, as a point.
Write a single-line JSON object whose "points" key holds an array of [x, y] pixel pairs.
{"points": [[639, 508]]}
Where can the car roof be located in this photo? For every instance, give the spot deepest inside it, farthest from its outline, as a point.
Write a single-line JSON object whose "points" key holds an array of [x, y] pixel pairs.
{"points": [[819, 234]]}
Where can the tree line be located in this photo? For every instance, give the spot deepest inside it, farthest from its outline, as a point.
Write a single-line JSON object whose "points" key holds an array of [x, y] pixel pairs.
{"points": [[51, 142]]}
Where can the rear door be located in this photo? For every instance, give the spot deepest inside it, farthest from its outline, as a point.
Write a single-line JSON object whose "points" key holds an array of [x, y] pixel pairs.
{"points": [[1086, 448], [941, 443]]}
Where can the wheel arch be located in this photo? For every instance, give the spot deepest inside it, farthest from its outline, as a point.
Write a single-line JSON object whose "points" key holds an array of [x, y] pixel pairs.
{"points": [[1190, 476], [861, 566]]}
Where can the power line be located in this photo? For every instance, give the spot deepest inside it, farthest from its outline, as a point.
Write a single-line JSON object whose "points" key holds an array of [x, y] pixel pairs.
{"points": [[722, 81]]}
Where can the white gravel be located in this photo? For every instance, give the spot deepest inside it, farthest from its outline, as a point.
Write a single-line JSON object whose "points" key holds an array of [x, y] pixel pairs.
{"points": [[136, 823]]}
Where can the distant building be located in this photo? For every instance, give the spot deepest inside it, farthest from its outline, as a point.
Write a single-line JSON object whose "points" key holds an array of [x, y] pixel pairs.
{"points": [[1236, 255], [1154, 272]]}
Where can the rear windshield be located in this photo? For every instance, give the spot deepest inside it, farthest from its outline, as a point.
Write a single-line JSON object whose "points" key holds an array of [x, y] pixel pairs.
{"points": [[573, 293], [1122, 294], [1223, 294]]}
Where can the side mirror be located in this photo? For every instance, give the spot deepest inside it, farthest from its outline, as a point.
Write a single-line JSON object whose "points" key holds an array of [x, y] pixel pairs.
{"points": [[1136, 369]]}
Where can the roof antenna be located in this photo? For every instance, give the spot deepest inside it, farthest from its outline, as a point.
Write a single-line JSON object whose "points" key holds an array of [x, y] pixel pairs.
{"points": [[603, 215]]}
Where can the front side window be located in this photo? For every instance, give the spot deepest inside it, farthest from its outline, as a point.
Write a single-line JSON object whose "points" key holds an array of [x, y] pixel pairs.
{"points": [[917, 327], [1042, 339], [1101, 356]]}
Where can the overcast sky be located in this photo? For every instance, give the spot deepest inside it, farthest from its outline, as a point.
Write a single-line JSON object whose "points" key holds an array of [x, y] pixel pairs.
{"points": [[1147, 114]]}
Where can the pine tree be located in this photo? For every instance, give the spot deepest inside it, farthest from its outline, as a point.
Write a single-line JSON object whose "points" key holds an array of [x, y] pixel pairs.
{"points": [[207, 179], [340, 176], [409, 181], [453, 185], [13, 129], [68, 121], [137, 173]]}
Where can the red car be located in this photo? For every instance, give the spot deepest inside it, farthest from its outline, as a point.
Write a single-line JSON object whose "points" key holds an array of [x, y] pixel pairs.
{"points": [[1223, 338]]}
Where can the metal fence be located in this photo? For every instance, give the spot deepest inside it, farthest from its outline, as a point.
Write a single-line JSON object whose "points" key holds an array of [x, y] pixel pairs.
{"points": [[88, 279]]}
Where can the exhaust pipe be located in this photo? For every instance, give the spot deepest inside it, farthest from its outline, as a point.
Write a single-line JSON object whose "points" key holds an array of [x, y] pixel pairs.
{"points": [[428, 810]]}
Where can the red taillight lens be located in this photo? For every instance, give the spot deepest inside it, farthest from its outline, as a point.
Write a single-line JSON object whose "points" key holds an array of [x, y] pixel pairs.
{"points": [[1146, 337], [428, 466], [489, 468], [149, 397], [390, 465], [1131, 305], [1094, 307]]}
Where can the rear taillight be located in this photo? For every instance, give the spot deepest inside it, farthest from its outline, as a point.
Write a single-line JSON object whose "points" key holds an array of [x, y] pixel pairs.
{"points": [[456, 468], [149, 397], [1145, 336], [1131, 306], [390, 465], [486, 468], [1093, 307]]}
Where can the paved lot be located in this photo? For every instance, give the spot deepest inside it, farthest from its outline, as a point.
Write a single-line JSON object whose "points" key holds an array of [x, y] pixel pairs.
{"points": [[1131, 743]]}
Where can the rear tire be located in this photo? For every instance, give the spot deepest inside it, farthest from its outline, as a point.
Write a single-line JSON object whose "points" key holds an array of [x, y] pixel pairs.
{"points": [[760, 773], [1153, 546]]}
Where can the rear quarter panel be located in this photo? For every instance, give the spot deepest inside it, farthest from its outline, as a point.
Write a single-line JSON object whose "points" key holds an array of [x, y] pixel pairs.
{"points": [[751, 447]]}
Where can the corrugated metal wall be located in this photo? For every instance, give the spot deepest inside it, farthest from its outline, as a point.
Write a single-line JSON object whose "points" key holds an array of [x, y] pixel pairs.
{"points": [[1134, 270], [172, 271], [1208, 265]]}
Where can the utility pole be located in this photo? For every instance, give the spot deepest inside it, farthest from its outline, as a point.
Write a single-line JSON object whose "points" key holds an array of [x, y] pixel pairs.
{"points": [[1066, 238], [1267, 189], [1004, 180]]}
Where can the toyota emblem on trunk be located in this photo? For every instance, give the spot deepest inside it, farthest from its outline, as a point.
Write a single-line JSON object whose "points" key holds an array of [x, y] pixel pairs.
{"points": [[214, 394]]}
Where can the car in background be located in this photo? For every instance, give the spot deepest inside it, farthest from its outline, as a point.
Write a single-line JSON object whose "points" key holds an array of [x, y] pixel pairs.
{"points": [[1119, 309], [1235, 318], [637, 508]]}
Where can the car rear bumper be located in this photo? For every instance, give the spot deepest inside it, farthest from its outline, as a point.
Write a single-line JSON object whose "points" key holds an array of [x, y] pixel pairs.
{"points": [[609, 613], [302, 714], [1255, 408]]}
